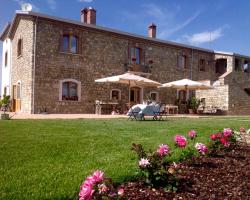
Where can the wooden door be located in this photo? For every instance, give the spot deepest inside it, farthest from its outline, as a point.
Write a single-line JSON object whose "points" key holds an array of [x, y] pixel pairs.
{"points": [[16, 106], [135, 95]]}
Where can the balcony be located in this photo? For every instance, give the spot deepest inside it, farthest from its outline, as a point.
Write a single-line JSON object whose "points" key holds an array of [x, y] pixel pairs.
{"points": [[138, 68]]}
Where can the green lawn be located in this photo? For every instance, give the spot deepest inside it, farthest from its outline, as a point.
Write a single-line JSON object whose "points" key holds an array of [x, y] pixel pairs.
{"points": [[48, 159]]}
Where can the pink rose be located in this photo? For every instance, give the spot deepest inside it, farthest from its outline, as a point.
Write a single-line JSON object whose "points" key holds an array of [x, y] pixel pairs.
{"points": [[98, 176], [202, 148], [192, 134], [213, 137], [144, 162], [163, 149], [218, 135], [86, 193], [227, 132], [180, 141], [225, 142]]}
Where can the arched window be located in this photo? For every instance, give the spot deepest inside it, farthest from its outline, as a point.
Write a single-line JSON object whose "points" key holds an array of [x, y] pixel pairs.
{"points": [[70, 90], [69, 43], [154, 96], [19, 47], [115, 94]]}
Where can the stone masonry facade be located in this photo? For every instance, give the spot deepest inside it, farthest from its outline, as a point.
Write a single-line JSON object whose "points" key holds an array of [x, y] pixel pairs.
{"points": [[229, 93], [43, 66], [101, 55], [22, 66]]}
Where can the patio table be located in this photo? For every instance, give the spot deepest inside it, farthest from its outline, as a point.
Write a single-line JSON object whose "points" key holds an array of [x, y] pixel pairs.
{"points": [[173, 108], [104, 107]]}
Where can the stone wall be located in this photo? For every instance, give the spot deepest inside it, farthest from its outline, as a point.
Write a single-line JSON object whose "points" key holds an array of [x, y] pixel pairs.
{"points": [[239, 100], [217, 97], [101, 54], [228, 93], [22, 66]]}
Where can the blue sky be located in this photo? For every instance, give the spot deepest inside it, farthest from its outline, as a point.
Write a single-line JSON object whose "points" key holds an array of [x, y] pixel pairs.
{"points": [[215, 24]]}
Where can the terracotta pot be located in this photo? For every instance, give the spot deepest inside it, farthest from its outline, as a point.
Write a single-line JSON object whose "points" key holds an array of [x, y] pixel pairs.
{"points": [[191, 111]]}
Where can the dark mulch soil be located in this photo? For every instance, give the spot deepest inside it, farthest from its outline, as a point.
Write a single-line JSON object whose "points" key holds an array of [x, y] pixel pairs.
{"points": [[226, 176]]}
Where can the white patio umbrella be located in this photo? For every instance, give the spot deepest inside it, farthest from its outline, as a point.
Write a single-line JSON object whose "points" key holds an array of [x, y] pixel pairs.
{"points": [[187, 84], [131, 80]]}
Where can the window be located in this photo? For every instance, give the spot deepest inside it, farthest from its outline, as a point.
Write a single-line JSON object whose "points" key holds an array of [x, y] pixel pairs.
{"points": [[154, 96], [182, 61], [247, 90], [237, 64], [202, 65], [221, 66], [19, 47], [136, 55], [115, 95], [6, 59], [5, 91], [69, 91], [70, 43]]}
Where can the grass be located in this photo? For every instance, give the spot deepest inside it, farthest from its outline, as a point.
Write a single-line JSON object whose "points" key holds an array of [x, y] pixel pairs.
{"points": [[48, 159]]}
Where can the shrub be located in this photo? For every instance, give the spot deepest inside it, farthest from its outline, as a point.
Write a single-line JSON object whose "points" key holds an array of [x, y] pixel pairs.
{"points": [[224, 140], [155, 168]]}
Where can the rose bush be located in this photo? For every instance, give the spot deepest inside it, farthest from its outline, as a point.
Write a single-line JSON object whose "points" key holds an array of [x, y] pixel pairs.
{"points": [[158, 168]]}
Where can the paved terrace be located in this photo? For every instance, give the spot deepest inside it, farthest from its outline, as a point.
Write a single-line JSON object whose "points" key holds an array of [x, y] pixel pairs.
{"points": [[94, 116]]}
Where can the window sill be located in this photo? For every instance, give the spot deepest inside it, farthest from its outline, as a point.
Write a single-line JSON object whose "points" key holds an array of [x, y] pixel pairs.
{"points": [[69, 101], [68, 53], [19, 56]]}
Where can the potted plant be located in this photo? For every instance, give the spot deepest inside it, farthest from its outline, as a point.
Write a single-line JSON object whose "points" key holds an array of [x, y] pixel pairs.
{"points": [[134, 59], [4, 107], [193, 105]]}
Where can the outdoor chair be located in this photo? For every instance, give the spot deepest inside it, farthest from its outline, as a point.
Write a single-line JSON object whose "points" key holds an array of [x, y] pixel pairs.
{"points": [[133, 115], [159, 114]]}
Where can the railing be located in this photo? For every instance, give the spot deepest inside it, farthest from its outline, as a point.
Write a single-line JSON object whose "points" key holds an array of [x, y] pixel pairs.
{"points": [[138, 68]]}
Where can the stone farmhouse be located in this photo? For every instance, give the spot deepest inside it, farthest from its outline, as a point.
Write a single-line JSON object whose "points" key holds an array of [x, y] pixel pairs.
{"points": [[50, 65]]}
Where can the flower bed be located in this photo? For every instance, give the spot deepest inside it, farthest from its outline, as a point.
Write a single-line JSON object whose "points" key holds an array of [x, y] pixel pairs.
{"points": [[220, 168]]}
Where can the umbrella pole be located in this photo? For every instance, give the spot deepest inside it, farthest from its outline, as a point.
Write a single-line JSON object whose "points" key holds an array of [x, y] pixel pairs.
{"points": [[129, 94]]}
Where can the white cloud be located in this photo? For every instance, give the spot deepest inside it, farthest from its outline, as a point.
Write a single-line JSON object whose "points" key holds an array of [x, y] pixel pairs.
{"points": [[20, 2], [166, 32], [52, 4], [204, 37], [164, 17], [85, 1]]}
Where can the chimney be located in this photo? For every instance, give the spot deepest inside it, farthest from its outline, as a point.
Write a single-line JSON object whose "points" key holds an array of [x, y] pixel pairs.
{"points": [[88, 15], [152, 30]]}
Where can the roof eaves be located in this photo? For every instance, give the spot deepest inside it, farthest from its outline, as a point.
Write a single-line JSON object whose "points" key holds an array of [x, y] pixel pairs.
{"points": [[5, 31], [231, 54]]}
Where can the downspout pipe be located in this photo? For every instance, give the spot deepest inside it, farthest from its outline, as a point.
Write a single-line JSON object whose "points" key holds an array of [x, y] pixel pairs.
{"points": [[190, 94], [191, 66]]}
